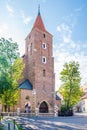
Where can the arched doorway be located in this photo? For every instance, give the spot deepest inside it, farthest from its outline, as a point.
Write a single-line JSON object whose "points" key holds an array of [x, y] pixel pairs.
{"points": [[43, 107]]}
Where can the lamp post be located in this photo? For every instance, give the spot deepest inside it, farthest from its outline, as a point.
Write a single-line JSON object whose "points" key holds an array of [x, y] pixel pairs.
{"points": [[55, 106], [34, 99]]}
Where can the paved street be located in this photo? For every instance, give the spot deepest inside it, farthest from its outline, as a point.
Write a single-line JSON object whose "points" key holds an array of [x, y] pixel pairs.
{"points": [[53, 123], [77, 122], [8, 124]]}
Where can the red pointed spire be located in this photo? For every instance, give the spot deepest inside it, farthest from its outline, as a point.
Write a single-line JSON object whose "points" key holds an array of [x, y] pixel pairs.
{"points": [[39, 22]]}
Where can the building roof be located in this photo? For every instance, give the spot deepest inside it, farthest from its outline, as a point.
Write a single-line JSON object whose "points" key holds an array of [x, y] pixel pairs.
{"points": [[57, 97], [39, 22], [26, 85]]}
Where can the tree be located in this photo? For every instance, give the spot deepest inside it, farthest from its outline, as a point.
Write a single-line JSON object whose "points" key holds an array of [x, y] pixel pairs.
{"points": [[70, 88], [11, 68], [10, 98]]}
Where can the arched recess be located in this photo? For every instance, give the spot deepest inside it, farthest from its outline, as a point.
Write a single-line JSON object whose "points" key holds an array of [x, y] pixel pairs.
{"points": [[43, 107]]}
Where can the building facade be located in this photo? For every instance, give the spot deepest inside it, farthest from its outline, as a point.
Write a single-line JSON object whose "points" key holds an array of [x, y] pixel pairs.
{"points": [[82, 105]]}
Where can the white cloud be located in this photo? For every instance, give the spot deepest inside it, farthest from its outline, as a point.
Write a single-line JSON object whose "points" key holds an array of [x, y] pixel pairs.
{"points": [[73, 45], [10, 10], [65, 32], [85, 45], [7, 32], [26, 19], [66, 39], [72, 18], [3, 30], [64, 28], [78, 9]]}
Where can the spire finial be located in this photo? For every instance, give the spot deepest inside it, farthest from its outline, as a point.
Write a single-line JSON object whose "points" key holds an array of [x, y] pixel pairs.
{"points": [[38, 9]]}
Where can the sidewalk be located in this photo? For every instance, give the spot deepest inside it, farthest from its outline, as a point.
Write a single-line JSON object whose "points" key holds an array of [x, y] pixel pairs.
{"points": [[8, 124], [80, 114]]}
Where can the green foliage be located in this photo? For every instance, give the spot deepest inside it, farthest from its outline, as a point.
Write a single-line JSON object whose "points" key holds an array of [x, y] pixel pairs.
{"points": [[70, 88], [1, 127], [63, 108], [19, 127], [11, 68]]}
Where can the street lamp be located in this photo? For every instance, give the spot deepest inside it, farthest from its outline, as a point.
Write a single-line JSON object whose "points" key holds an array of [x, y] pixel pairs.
{"points": [[36, 110], [55, 106], [34, 99], [34, 92]]}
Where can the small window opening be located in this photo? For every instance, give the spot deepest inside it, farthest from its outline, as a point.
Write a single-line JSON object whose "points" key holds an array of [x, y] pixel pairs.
{"points": [[44, 45], [31, 49], [29, 36], [44, 60], [44, 73], [44, 35]]}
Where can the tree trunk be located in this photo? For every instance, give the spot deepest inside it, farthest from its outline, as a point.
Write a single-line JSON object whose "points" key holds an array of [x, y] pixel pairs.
{"points": [[13, 110], [8, 108], [2, 107], [5, 108]]}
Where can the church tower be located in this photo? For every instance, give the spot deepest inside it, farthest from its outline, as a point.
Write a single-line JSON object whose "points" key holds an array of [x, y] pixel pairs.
{"points": [[40, 66]]}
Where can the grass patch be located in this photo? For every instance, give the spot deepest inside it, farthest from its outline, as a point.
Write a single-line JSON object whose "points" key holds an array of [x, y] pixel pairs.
{"points": [[19, 127], [1, 127]]}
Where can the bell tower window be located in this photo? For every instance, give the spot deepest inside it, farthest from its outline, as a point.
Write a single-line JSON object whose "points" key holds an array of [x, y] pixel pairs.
{"points": [[44, 73], [44, 45], [28, 48], [31, 49], [44, 35], [44, 59]]}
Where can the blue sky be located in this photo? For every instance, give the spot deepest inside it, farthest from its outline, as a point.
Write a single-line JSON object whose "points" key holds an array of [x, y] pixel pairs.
{"points": [[66, 20]]}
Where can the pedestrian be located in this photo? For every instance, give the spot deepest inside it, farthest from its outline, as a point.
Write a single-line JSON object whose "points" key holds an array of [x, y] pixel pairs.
{"points": [[27, 107]]}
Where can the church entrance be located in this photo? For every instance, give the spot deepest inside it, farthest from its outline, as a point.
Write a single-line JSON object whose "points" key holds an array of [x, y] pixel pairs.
{"points": [[43, 107]]}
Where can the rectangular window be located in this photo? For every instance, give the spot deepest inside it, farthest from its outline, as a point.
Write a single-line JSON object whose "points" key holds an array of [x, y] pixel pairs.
{"points": [[44, 73], [44, 59], [44, 35], [44, 45], [31, 49]]}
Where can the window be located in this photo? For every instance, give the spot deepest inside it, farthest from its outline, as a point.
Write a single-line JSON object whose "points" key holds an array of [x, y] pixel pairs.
{"points": [[44, 73], [31, 49], [44, 59], [44, 45], [44, 35], [29, 36], [44, 87]]}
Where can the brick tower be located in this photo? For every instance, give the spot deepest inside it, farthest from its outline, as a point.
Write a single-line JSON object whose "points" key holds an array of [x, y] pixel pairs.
{"points": [[40, 66]]}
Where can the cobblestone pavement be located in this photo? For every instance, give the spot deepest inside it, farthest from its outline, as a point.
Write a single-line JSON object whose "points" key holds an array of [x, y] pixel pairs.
{"points": [[7, 123], [53, 123]]}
